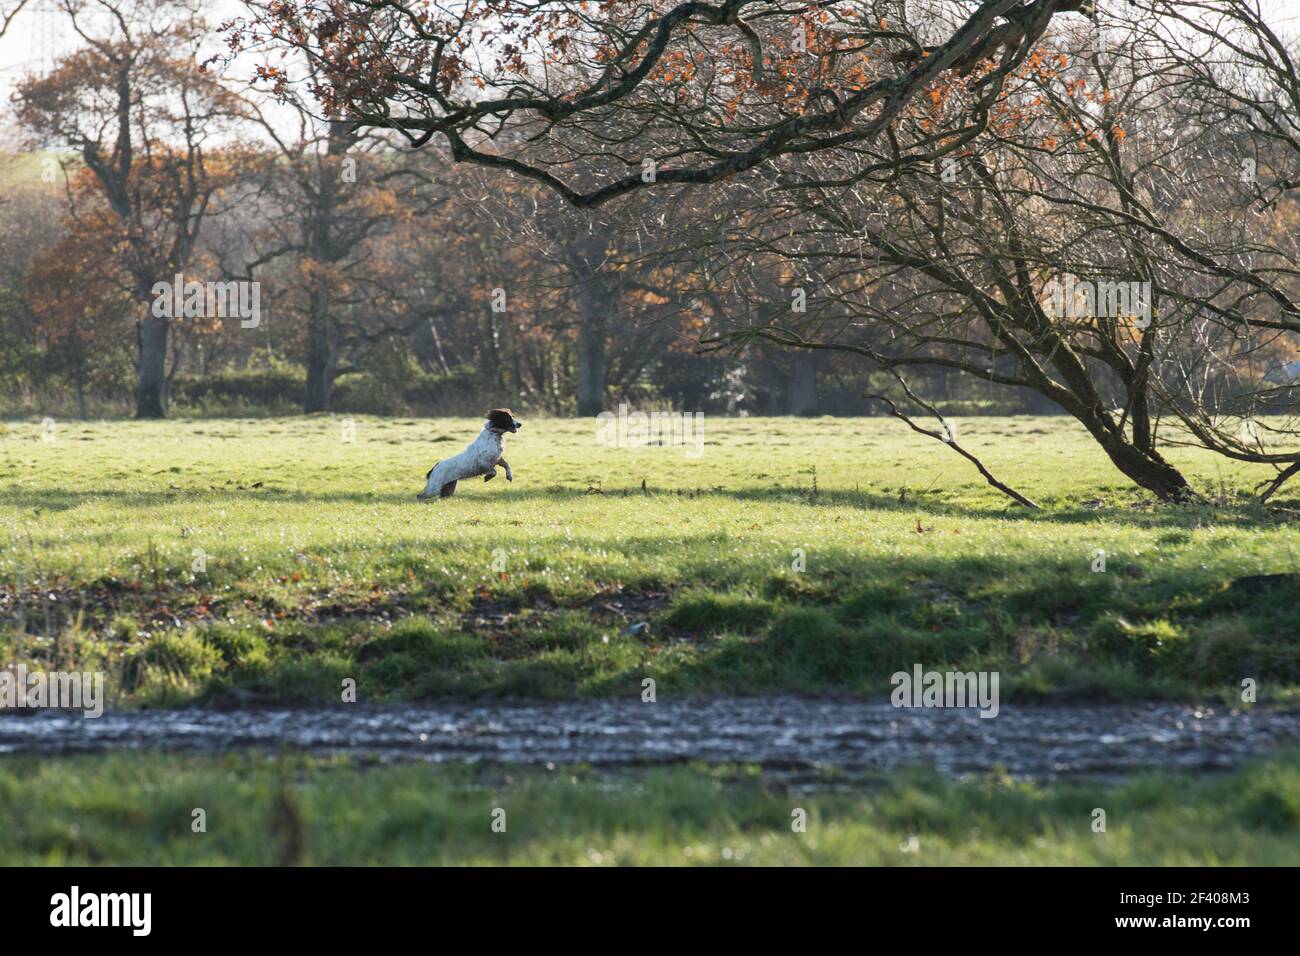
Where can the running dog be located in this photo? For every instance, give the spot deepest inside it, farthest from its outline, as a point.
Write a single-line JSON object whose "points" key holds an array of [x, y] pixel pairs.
{"points": [[480, 458]]}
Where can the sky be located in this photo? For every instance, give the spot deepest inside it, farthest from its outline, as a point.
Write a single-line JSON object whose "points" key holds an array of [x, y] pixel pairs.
{"points": [[40, 34]]}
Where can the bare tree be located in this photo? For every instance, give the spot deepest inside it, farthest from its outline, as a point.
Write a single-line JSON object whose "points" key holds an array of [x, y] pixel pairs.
{"points": [[140, 116], [326, 189], [1116, 271]]}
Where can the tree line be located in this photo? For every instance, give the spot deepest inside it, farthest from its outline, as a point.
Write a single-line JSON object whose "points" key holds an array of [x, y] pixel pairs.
{"points": [[919, 208]]}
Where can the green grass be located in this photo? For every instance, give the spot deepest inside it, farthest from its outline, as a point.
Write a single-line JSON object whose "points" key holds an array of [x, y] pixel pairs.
{"points": [[139, 809], [316, 563], [197, 559], [27, 169]]}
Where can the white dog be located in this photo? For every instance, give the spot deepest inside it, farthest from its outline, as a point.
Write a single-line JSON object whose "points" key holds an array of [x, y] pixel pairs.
{"points": [[480, 458]]}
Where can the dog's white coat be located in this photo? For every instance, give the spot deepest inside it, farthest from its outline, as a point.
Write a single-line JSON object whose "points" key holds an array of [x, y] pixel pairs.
{"points": [[480, 458]]}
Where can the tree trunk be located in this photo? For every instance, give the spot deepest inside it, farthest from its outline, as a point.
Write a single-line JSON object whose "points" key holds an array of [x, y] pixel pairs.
{"points": [[803, 383], [426, 343], [591, 347], [322, 353], [1137, 457], [320, 361], [1147, 469], [151, 389]]}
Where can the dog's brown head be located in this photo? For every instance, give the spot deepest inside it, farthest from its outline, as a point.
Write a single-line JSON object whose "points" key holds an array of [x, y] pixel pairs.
{"points": [[503, 420]]}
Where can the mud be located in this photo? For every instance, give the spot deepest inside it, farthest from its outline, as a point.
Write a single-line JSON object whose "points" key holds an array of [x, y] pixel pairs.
{"points": [[791, 733]]}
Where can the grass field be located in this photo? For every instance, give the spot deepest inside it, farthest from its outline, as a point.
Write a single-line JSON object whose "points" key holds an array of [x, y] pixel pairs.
{"points": [[274, 558], [271, 560], [139, 809]]}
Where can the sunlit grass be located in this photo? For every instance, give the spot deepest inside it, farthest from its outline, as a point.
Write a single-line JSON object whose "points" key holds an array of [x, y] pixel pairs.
{"points": [[186, 557]]}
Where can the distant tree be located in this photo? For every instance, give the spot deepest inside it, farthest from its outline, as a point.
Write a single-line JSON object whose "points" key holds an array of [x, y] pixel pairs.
{"points": [[327, 194], [29, 221], [82, 301], [616, 300], [140, 113]]}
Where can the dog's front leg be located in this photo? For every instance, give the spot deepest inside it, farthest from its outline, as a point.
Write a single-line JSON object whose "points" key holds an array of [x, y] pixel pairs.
{"points": [[502, 462], [490, 473]]}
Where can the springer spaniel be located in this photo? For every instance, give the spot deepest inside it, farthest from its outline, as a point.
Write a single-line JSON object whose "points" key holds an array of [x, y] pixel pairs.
{"points": [[480, 458]]}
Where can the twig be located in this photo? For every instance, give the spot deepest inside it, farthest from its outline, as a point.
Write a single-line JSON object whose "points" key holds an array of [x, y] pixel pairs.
{"points": [[951, 442]]}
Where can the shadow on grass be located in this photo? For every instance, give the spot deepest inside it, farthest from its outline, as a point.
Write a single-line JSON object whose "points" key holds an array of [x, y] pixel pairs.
{"points": [[1141, 514]]}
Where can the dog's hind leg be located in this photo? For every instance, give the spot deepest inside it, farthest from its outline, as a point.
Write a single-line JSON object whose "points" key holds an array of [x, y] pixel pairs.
{"points": [[448, 490]]}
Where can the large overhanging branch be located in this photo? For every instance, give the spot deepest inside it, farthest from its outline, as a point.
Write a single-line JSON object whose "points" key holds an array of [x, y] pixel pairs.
{"points": [[976, 40], [1005, 28]]}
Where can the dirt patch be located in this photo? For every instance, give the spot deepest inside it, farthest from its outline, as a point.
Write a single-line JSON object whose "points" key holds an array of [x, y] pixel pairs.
{"points": [[50, 610], [616, 607]]}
